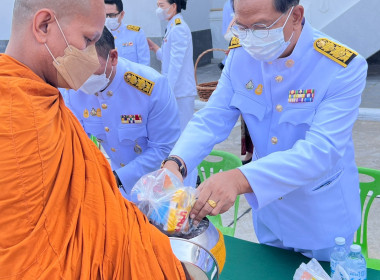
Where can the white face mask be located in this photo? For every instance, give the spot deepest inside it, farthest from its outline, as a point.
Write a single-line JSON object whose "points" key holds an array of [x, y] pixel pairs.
{"points": [[162, 14], [96, 83], [112, 23], [268, 48]]}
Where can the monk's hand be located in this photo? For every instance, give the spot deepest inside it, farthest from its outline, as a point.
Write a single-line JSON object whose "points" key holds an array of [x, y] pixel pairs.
{"points": [[218, 193], [152, 46], [173, 167]]}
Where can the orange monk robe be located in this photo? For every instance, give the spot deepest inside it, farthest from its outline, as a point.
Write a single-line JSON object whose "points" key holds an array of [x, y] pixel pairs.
{"points": [[62, 216]]}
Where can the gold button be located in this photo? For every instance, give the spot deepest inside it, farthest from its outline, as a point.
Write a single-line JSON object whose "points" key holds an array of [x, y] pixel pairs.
{"points": [[274, 140], [279, 108], [279, 79], [122, 164], [113, 149], [289, 63], [96, 94], [269, 62], [109, 93], [107, 129], [104, 106]]}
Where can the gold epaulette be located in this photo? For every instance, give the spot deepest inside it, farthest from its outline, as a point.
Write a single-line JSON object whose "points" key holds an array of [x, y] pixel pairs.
{"points": [[335, 51], [138, 82], [134, 28], [234, 43], [178, 21]]}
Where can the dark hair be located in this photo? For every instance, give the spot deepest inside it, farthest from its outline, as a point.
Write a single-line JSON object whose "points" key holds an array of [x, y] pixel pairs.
{"points": [[281, 6], [105, 44], [181, 4], [118, 3]]}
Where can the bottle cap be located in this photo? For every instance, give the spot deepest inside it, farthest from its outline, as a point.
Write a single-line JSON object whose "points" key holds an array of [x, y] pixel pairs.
{"points": [[355, 248], [340, 241]]}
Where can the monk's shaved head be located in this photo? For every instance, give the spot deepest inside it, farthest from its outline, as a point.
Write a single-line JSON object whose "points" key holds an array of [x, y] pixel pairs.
{"points": [[48, 27], [24, 10]]}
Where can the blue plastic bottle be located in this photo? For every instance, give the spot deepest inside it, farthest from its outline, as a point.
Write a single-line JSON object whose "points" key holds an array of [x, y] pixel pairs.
{"points": [[338, 254], [356, 266]]}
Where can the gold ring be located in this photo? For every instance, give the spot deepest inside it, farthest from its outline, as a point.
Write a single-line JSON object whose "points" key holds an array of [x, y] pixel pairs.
{"points": [[212, 203]]}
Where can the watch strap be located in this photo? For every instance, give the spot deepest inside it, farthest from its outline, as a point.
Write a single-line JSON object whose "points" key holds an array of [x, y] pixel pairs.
{"points": [[181, 167]]}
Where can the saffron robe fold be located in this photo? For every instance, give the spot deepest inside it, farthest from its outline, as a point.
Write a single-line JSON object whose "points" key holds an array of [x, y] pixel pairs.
{"points": [[62, 216]]}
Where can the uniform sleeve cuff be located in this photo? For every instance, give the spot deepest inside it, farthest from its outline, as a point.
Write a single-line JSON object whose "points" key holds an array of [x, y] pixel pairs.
{"points": [[251, 197]]}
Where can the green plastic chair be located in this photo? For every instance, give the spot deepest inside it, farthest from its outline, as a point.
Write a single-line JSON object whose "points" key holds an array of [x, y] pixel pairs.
{"points": [[206, 169], [368, 192], [95, 140]]}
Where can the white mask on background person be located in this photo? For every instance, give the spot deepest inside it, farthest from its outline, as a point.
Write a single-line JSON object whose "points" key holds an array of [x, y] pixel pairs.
{"points": [[96, 83], [267, 48], [112, 23], [162, 14]]}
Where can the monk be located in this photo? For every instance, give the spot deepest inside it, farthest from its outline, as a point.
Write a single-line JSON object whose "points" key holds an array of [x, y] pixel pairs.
{"points": [[62, 216]]}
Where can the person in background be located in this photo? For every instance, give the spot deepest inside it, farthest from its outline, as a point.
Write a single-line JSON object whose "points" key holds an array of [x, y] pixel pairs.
{"points": [[62, 215], [300, 92], [176, 55], [130, 40], [131, 111]]}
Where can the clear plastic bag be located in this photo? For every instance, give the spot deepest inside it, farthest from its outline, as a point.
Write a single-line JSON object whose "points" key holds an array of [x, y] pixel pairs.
{"points": [[167, 203], [314, 271], [311, 271]]}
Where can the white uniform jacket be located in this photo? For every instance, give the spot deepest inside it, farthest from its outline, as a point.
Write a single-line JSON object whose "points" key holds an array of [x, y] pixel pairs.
{"points": [[131, 43], [136, 125], [303, 176]]}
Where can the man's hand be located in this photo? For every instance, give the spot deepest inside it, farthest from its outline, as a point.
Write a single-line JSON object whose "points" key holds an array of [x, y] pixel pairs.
{"points": [[223, 188], [152, 46], [173, 167]]}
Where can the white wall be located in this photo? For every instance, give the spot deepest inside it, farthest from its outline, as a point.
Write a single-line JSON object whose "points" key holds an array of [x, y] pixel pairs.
{"points": [[321, 13], [142, 13], [6, 9]]}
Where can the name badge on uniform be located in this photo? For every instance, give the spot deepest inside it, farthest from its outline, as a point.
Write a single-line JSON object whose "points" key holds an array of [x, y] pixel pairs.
{"points": [[301, 96], [131, 119]]}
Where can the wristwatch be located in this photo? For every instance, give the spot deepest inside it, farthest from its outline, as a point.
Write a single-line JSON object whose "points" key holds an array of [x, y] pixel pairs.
{"points": [[182, 167]]}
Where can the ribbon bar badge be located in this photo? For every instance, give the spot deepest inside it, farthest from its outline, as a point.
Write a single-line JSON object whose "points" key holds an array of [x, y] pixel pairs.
{"points": [[301, 96], [131, 119]]}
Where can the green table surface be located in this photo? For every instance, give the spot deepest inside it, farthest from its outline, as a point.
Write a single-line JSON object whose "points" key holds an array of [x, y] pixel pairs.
{"points": [[247, 260]]}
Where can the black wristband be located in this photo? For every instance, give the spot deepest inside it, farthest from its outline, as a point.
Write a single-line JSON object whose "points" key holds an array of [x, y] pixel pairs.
{"points": [[119, 184], [182, 168]]}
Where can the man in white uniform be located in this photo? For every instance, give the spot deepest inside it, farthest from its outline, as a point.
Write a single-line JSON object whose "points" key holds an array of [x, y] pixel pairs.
{"points": [[299, 92], [130, 40], [132, 112]]}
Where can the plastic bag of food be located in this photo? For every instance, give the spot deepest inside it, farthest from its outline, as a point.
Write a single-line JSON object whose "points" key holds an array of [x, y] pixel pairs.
{"points": [[311, 271], [167, 203]]}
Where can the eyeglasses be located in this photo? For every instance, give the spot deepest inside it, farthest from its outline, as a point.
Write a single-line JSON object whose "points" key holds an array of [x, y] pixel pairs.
{"points": [[113, 15], [260, 30]]}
